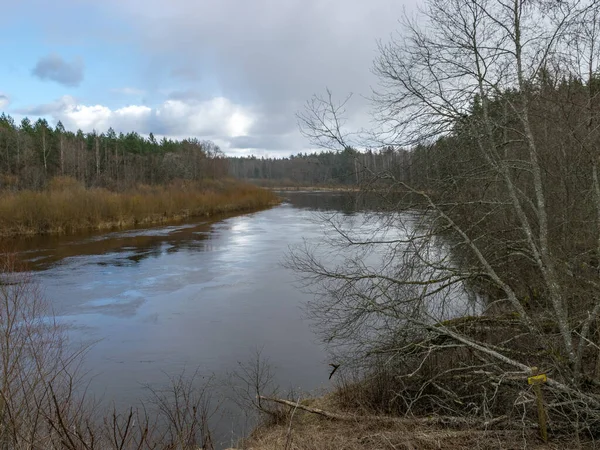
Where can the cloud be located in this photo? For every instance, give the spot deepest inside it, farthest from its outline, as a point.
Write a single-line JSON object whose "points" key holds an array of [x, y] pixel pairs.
{"points": [[48, 108], [4, 101], [265, 58], [185, 73], [75, 115], [129, 91], [214, 117], [218, 118], [271, 56], [54, 68], [235, 128]]}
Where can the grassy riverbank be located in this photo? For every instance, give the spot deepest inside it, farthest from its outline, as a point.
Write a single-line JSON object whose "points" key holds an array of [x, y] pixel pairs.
{"points": [[350, 427], [435, 395], [66, 206]]}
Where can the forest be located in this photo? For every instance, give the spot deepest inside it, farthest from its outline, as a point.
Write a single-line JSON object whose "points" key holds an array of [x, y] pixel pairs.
{"points": [[345, 167], [58, 181], [33, 153]]}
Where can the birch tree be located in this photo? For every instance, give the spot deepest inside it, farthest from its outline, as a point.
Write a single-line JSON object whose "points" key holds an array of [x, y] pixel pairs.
{"points": [[487, 91]]}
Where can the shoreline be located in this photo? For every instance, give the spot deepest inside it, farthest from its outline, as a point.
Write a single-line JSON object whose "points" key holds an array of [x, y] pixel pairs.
{"points": [[75, 210], [312, 189], [320, 421]]}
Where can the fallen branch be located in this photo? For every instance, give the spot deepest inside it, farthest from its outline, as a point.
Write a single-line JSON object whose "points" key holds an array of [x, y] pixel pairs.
{"points": [[321, 412], [446, 420]]}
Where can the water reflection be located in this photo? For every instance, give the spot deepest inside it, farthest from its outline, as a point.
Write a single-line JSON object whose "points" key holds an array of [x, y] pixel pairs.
{"points": [[125, 248], [42, 252], [345, 202]]}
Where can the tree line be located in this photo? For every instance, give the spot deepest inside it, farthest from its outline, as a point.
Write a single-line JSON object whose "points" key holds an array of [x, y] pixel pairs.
{"points": [[348, 166], [31, 153]]}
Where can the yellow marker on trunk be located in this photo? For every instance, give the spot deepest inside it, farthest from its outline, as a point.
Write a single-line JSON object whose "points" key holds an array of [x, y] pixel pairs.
{"points": [[536, 380]]}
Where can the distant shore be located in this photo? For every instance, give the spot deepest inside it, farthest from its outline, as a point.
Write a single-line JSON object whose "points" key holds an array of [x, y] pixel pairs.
{"points": [[315, 188], [67, 207]]}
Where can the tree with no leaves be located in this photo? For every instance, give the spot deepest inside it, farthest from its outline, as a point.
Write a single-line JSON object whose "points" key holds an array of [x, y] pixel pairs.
{"points": [[501, 203]]}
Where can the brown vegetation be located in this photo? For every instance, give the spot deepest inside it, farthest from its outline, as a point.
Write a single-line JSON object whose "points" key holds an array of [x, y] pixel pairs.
{"points": [[298, 429], [388, 409], [67, 206]]}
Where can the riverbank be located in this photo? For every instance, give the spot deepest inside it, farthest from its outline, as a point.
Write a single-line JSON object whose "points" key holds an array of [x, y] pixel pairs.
{"points": [[323, 423], [314, 188], [67, 207], [429, 395]]}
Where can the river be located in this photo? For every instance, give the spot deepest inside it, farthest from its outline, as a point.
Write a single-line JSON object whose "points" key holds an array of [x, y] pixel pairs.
{"points": [[202, 295]]}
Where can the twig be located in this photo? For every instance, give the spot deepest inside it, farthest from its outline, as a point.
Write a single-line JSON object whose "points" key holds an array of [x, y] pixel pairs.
{"points": [[288, 439]]}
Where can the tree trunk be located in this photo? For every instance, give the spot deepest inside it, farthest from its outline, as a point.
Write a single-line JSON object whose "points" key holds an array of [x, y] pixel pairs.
{"points": [[97, 158], [44, 151], [62, 156]]}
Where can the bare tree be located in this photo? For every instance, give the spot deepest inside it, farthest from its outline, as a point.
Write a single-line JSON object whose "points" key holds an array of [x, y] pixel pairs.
{"points": [[37, 365], [480, 90]]}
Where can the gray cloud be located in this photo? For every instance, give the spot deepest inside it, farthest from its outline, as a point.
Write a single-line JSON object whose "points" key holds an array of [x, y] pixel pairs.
{"points": [[47, 108], [55, 68], [271, 56], [185, 73]]}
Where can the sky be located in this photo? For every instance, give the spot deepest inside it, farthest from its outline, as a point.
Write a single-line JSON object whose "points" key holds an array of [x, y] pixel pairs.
{"points": [[232, 71]]}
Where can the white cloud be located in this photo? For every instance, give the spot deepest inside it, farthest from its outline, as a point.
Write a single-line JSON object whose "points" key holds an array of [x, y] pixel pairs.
{"points": [[84, 117], [100, 118], [215, 117], [75, 115], [239, 124], [218, 119]]}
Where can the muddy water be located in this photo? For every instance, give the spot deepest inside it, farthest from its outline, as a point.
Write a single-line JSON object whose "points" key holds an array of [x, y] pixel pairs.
{"points": [[194, 295]]}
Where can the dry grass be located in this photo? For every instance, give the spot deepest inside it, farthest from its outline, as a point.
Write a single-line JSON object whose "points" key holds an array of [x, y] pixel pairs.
{"points": [[67, 206], [311, 432]]}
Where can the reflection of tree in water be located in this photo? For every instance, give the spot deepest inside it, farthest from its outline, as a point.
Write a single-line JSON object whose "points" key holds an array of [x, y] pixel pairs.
{"points": [[129, 248], [320, 201], [345, 202], [185, 239]]}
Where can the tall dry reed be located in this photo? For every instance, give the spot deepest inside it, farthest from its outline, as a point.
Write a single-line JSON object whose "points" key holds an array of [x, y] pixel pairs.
{"points": [[66, 206]]}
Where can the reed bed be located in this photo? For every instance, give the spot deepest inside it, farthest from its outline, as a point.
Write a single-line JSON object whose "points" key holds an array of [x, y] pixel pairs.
{"points": [[66, 206]]}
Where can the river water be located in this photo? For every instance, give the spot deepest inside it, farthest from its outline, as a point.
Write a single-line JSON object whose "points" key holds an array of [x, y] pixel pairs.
{"points": [[203, 295]]}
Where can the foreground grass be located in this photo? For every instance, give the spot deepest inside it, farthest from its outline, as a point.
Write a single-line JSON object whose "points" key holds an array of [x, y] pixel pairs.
{"points": [[295, 429], [67, 207]]}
